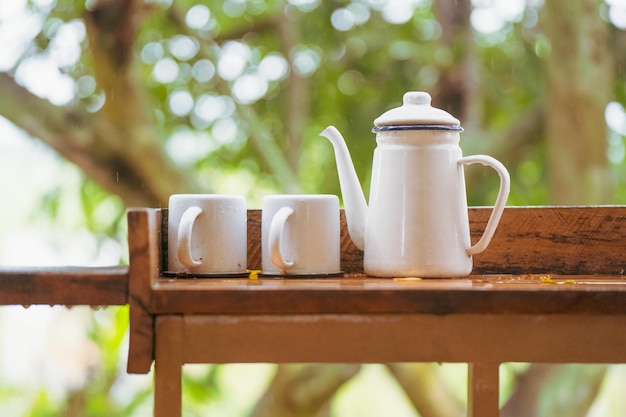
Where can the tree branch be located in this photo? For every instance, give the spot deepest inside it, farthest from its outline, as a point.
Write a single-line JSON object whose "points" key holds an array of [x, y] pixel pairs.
{"points": [[87, 139], [542, 390], [423, 386], [302, 390]]}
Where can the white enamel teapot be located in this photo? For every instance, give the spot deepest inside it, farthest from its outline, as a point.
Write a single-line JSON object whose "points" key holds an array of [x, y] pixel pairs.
{"points": [[416, 224]]}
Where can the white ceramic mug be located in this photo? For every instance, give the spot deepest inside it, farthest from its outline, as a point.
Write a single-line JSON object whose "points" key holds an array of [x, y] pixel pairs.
{"points": [[207, 234], [300, 235]]}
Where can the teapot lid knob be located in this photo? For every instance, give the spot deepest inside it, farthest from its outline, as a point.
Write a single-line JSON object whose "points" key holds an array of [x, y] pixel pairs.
{"points": [[417, 111], [416, 98]]}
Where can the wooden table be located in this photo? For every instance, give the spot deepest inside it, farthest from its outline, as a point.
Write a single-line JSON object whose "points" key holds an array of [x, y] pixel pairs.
{"points": [[550, 288]]}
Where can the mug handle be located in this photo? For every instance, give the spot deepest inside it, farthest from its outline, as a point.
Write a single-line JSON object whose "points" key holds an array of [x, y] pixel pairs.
{"points": [[276, 236], [498, 208], [185, 228]]}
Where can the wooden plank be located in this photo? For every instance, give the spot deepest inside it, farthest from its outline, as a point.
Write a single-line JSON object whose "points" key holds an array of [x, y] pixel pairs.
{"points": [[105, 286], [559, 240], [483, 390], [354, 338], [143, 241]]}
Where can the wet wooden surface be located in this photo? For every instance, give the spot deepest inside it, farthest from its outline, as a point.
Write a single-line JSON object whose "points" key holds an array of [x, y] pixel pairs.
{"points": [[536, 294], [543, 260]]}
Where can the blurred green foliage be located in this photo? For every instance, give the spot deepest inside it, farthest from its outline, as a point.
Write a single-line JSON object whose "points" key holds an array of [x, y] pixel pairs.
{"points": [[223, 80]]}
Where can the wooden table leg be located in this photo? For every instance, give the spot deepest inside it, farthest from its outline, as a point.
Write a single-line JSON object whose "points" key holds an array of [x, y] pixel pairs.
{"points": [[168, 366], [483, 390]]}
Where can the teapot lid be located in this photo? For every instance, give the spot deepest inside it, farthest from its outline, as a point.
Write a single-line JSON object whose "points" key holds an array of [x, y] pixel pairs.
{"points": [[416, 111]]}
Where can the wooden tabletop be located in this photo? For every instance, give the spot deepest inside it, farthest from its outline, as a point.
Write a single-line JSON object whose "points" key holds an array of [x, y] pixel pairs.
{"points": [[359, 294], [542, 260]]}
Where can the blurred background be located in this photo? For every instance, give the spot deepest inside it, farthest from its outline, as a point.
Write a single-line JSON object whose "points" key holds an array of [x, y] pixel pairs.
{"points": [[110, 104]]}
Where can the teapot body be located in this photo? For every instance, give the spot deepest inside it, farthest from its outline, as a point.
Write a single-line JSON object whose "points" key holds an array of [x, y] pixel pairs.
{"points": [[417, 223]]}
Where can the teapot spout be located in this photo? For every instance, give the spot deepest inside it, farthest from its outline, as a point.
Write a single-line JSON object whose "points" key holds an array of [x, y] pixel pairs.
{"points": [[353, 197]]}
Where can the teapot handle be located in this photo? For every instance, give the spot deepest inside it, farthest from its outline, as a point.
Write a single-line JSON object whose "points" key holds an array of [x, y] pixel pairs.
{"points": [[276, 236], [498, 208]]}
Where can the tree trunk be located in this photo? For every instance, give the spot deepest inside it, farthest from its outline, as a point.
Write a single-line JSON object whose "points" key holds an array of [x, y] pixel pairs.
{"points": [[456, 88], [579, 80]]}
